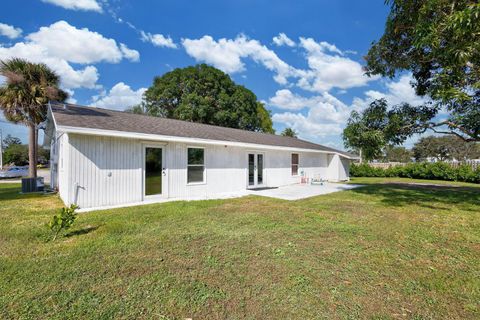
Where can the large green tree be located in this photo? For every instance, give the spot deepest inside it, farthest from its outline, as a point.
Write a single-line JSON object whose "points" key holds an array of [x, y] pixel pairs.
{"points": [[24, 96], [207, 95], [438, 42]]}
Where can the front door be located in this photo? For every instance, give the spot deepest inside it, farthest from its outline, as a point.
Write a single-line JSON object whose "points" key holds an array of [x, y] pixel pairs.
{"points": [[255, 170], [154, 171]]}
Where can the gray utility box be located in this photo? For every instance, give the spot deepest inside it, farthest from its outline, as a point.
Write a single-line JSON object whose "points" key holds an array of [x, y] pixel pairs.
{"points": [[32, 185]]}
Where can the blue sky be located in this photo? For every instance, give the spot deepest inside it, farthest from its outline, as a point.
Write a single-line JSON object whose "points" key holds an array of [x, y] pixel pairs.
{"points": [[302, 58]]}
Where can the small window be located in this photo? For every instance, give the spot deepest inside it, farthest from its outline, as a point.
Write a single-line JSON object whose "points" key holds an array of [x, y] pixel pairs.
{"points": [[196, 165], [294, 164]]}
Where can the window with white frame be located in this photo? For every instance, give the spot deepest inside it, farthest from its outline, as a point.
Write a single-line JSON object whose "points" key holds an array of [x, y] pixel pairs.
{"points": [[196, 165], [294, 164]]}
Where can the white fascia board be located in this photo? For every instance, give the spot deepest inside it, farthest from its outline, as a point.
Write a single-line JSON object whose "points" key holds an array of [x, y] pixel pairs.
{"points": [[156, 137]]}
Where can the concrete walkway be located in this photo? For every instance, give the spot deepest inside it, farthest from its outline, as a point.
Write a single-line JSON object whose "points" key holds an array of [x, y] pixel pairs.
{"points": [[302, 191]]}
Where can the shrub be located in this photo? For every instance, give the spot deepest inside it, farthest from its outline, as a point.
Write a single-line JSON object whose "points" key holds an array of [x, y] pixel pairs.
{"points": [[420, 170], [63, 221]]}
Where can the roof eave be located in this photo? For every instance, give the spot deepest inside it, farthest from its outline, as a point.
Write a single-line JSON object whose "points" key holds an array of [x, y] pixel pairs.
{"points": [[155, 137]]}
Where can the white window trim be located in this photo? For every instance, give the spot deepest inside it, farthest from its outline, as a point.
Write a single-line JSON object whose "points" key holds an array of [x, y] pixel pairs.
{"points": [[298, 165], [197, 165]]}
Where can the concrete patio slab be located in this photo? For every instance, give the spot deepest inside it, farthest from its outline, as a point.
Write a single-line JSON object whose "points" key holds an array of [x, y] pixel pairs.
{"points": [[302, 191]]}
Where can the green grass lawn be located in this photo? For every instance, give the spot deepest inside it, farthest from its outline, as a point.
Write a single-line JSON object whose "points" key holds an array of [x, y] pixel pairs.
{"points": [[383, 251]]}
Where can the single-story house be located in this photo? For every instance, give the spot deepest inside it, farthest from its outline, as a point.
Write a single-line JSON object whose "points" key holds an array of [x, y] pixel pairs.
{"points": [[102, 158]]}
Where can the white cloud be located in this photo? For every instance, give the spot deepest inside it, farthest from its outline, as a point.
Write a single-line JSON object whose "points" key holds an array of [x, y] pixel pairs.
{"points": [[329, 68], [158, 40], [120, 97], [77, 45], [227, 54], [84, 5], [130, 54], [9, 31], [397, 92], [283, 40], [327, 115], [306, 126], [285, 99], [48, 45], [71, 78]]}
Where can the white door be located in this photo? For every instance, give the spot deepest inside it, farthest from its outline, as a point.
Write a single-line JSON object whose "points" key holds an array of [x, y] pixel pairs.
{"points": [[256, 176], [154, 172]]}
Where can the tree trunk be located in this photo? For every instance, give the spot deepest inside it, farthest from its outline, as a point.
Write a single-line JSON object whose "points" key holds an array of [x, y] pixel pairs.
{"points": [[36, 149], [32, 164]]}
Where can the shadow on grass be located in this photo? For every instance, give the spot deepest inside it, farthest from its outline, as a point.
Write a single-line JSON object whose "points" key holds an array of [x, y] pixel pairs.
{"points": [[428, 196], [81, 231], [12, 192]]}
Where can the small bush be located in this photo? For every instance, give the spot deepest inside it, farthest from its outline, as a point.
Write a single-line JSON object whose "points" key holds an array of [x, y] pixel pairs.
{"points": [[420, 170], [63, 221]]}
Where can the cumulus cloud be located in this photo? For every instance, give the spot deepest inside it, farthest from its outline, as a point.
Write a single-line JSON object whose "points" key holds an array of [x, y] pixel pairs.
{"points": [[396, 92], [326, 115], [130, 54], [283, 40], [120, 97], [71, 78], [158, 40], [329, 68], [227, 55], [84, 5], [285, 99], [85, 47], [9, 31]]}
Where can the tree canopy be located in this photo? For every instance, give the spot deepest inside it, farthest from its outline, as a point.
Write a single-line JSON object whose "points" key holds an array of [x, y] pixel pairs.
{"points": [[24, 96], [289, 132], [207, 95], [397, 154], [438, 42]]}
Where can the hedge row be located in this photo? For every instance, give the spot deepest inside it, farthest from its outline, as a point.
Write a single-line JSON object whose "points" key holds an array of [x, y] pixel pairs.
{"points": [[420, 170]]}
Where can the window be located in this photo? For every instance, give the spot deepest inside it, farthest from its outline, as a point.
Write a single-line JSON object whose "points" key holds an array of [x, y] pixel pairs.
{"points": [[196, 165], [294, 164]]}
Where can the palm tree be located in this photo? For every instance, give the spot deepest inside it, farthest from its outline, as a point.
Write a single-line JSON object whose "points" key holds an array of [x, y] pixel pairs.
{"points": [[24, 97], [289, 132]]}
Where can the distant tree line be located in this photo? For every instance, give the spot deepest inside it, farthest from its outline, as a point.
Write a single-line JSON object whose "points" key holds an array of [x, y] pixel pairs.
{"points": [[16, 153], [432, 148]]}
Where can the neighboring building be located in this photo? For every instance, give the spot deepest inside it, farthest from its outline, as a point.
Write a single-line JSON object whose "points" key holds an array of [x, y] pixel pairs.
{"points": [[103, 158]]}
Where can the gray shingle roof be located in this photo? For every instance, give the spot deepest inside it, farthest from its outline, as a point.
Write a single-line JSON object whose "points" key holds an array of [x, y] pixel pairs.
{"points": [[97, 118]]}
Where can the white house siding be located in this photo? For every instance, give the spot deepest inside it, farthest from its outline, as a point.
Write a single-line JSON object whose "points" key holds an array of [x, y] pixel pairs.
{"points": [[279, 171], [62, 165], [344, 169], [225, 171], [101, 171]]}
